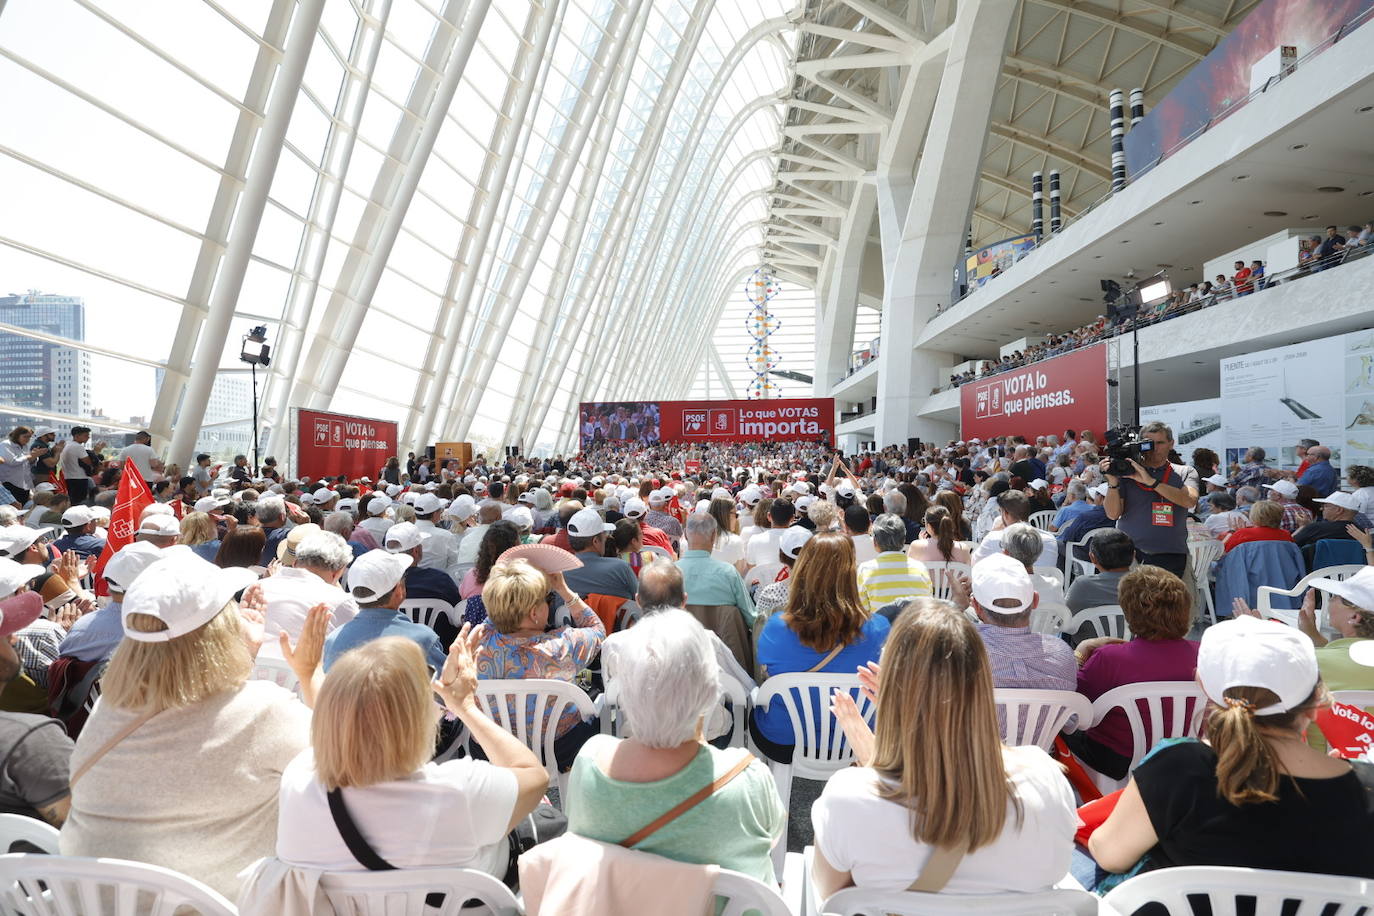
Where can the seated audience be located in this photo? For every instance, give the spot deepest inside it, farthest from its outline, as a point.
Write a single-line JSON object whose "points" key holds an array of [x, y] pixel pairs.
{"points": [[1025, 543], [180, 762], [892, 574], [715, 588], [668, 683], [1338, 513], [515, 643], [1252, 794], [729, 546], [1224, 517], [855, 522], [773, 595], [937, 542], [1266, 519], [318, 561], [35, 748], [1285, 494], [372, 737], [1159, 612], [1112, 552], [763, 547], [241, 549], [376, 581], [1003, 595], [1015, 507], [823, 628], [934, 776], [95, 636]]}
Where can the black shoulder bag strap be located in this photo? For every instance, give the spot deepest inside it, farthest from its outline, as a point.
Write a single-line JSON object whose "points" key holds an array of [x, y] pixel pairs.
{"points": [[367, 856]]}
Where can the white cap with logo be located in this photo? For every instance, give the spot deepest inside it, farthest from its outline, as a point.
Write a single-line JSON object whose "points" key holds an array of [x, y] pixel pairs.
{"points": [[1249, 652], [999, 578], [401, 537], [183, 591], [588, 523], [635, 508]]}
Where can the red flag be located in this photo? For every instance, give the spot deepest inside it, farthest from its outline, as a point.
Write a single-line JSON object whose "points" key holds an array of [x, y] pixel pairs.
{"points": [[134, 496]]}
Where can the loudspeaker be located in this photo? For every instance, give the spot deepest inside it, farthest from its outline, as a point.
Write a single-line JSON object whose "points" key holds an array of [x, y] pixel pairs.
{"points": [[913, 446]]}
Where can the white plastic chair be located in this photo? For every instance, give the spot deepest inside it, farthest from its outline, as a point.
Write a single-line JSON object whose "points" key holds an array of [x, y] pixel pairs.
{"points": [[1361, 698], [1049, 618], [425, 610], [860, 901], [1074, 567], [627, 616], [39, 885], [383, 893], [1223, 887], [1051, 572], [1143, 705], [744, 894], [276, 670], [507, 701], [16, 828], [942, 579], [821, 746], [92, 695], [1038, 716], [1106, 620], [1203, 553], [1043, 519], [615, 722], [1264, 597]]}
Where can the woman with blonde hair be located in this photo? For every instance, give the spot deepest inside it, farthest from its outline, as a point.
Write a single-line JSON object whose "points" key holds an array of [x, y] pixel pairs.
{"points": [[1252, 794], [180, 761], [1266, 519], [516, 640], [372, 739], [201, 534], [937, 802], [824, 627]]}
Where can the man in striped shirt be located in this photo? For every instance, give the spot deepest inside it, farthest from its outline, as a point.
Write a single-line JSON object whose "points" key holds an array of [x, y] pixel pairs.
{"points": [[891, 574]]}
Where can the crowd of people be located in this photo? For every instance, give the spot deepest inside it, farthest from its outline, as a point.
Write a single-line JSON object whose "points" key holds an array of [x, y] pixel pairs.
{"points": [[666, 590], [1317, 253]]}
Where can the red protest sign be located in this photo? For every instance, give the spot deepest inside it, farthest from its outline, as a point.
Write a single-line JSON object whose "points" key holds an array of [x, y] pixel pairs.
{"points": [[1348, 729], [133, 497]]}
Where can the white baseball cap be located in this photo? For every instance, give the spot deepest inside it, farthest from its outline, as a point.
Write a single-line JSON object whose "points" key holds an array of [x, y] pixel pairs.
{"points": [[131, 561], [1339, 498], [587, 523], [401, 537], [1099, 490], [45, 487], [14, 575], [656, 497], [206, 504], [374, 574], [379, 504], [635, 508], [750, 495], [77, 516], [793, 540], [324, 495], [427, 504], [1285, 488], [160, 525], [100, 513], [462, 508], [1038, 484], [527, 497], [1249, 652], [16, 539], [183, 591], [1000, 578], [346, 505], [1216, 480], [1358, 590], [520, 516], [42, 431], [845, 488], [804, 502]]}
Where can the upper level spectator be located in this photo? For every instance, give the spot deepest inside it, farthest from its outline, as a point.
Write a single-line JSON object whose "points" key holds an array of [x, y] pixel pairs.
{"points": [[1253, 795], [934, 775], [668, 682]]}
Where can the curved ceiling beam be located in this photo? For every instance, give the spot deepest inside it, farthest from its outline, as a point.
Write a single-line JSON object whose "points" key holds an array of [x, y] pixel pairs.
{"points": [[1125, 22], [1041, 143]]}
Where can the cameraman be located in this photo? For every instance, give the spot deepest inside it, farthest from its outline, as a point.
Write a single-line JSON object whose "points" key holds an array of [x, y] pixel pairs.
{"points": [[1152, 504]]}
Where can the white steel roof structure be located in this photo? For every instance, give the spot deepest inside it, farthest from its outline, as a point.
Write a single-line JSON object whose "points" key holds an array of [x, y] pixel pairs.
{"points": [[470, 215]]}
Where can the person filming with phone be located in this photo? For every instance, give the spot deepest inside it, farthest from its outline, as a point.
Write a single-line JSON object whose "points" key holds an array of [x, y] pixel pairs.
{"points": [[1151, 504]]}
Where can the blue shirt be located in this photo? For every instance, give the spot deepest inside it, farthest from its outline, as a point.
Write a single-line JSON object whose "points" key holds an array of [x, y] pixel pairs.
{"points": [[376, 622], [206, 550], [783, 653], [274, 537], [1320, 477], [94, 637], [1070, 512], [86, 545]]}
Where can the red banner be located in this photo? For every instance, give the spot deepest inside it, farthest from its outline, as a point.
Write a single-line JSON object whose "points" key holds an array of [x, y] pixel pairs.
{"points": [[776, 419], [329, 444], [1066, 392], [133, 497]]}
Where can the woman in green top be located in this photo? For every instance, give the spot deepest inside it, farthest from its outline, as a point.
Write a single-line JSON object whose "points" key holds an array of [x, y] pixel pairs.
{"points": [[665, 674]]}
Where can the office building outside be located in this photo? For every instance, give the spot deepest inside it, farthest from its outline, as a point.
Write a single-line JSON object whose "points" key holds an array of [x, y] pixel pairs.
{"points": [[39, 375], [227, 428]]}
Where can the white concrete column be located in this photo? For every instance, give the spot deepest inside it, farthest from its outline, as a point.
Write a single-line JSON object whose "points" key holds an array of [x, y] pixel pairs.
{"points": [[837, 311], [924, 220], [229, 282]]}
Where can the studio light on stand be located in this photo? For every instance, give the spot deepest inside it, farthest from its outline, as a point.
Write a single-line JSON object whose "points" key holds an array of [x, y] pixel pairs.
{"points": [[256, 352]]}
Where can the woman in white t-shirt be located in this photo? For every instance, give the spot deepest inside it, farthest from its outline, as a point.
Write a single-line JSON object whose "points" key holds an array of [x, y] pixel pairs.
{"points": [[1362, 479], [729, 547], [935, 776], [372, 737]]}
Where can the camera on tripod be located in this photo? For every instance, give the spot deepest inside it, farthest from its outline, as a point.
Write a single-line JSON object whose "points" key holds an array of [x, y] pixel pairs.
{"points": [[1123, 444]]}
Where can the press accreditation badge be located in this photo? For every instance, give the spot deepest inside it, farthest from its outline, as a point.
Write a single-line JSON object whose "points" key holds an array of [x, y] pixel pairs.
{"points": [[1162, 514]]}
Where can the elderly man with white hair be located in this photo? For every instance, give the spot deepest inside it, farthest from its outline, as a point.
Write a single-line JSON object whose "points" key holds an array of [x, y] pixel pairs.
{"points": [[1075, 504], [321, 559], [667, 682], [658, 518], [272, 518]]}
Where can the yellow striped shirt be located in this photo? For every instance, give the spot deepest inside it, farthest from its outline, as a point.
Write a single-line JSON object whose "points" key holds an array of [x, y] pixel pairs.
{"points": [[891, 576]]}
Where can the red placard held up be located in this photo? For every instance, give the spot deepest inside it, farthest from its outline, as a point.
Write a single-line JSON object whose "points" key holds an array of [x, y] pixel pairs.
{"points": [[133, 497], [1349, 730]]}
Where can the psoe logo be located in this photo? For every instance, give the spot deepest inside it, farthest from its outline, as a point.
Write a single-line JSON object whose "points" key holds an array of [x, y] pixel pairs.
{"points": [[694, 422], [322, 431]]}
